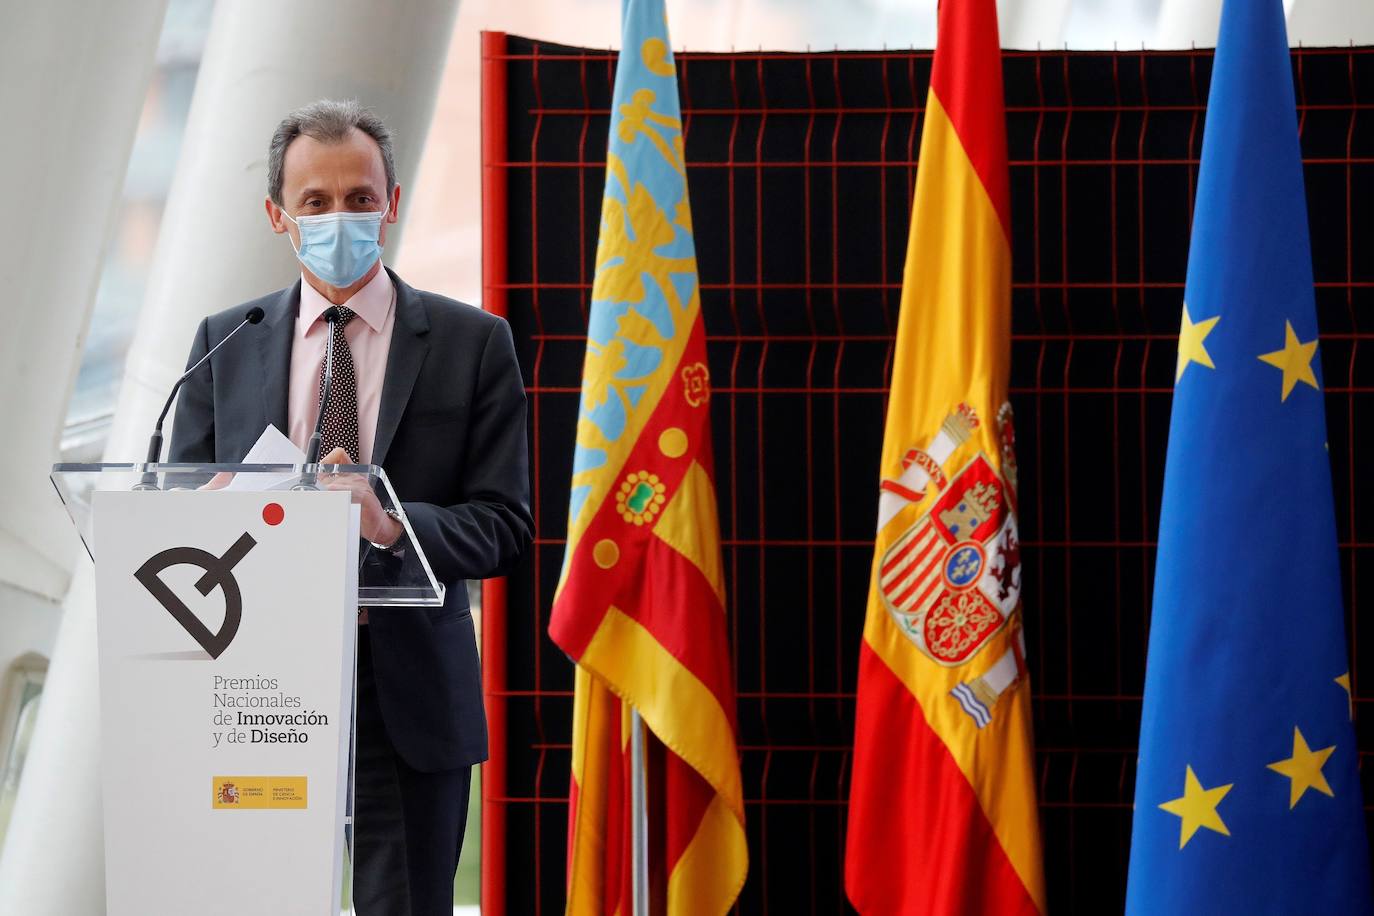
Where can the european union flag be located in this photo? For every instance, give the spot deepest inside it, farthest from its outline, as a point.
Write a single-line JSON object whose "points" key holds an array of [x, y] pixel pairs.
{"points": [[1247, 795]]}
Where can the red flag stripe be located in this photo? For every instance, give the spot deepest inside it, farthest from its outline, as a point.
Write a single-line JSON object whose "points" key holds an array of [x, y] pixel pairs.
{"points": [[972, 95], [692, 638], [691, 797], [914, 862]]}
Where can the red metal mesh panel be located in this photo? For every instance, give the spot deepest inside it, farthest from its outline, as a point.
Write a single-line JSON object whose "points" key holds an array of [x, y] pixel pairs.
{"points": [[801, 169]]}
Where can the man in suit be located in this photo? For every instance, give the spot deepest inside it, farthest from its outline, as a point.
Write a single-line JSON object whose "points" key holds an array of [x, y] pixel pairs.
{"points": [[429, 389]]}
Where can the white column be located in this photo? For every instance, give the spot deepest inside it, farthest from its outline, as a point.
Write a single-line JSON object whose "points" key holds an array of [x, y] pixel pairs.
{"points": [[73, 76], [1032, 24], [263, 58], [1337, 23], [1187, 24], [54, 858]]}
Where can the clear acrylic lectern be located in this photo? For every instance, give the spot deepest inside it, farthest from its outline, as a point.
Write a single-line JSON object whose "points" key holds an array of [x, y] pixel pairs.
{"points": [[398, 577], [142, 687]]}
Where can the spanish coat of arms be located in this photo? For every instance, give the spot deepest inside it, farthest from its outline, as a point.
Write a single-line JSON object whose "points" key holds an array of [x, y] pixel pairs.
{"points": [[952, 578]]}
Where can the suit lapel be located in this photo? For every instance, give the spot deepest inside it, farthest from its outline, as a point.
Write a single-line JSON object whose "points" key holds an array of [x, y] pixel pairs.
{"points": [[407, 353], [274, 351]]}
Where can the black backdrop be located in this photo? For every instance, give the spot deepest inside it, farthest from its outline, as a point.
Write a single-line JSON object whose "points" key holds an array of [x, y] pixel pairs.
{"points": [[801, 170]]}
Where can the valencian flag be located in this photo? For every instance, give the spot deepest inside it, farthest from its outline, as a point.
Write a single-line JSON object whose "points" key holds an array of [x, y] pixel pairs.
{"points": [[1247, 794], [640, 605], [942, 815]]}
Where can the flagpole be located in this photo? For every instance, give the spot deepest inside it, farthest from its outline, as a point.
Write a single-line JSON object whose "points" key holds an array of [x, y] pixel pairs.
{"points": [[639, 817]]}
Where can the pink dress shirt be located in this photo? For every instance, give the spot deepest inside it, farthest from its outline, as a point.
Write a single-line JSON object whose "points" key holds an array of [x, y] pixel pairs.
{"points": [[369, 337]]}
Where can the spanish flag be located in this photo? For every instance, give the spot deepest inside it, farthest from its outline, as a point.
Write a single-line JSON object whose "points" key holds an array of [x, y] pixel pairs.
{"points": [[640, 606], [942, 814]]}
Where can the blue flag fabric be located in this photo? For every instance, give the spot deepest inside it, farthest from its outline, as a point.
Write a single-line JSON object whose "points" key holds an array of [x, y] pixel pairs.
{"points": [[1247, 794]]}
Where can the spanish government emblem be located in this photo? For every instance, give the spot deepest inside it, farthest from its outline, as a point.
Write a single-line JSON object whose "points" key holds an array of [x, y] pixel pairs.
{"points": [[952, 579]]}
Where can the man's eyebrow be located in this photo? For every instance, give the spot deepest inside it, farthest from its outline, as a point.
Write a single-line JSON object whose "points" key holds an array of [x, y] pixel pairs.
{"points": [[308, 193]]}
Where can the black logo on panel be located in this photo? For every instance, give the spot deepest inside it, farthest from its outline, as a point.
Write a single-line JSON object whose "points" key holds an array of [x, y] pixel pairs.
{"points": [[219, 572]]}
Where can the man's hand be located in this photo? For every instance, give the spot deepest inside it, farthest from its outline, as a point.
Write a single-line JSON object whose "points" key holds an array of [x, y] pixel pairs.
{"points": [[377, 526]]}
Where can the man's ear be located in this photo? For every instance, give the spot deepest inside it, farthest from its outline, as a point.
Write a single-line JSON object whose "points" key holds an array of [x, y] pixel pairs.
{"points": [[391, 217], [274, 216]]}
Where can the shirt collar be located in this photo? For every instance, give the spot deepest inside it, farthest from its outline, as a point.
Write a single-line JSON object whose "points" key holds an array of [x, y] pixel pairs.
{"points": [[372, 303]]}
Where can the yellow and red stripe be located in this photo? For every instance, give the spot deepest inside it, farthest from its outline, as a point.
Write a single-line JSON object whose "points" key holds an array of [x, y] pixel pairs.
{"points": [[943, 815]]}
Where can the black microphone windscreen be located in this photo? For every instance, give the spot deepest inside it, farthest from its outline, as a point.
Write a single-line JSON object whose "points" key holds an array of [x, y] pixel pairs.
{"points": [[254, 315]]}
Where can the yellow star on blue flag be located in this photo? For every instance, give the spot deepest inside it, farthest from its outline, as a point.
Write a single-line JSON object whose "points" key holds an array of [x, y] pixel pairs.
{"points": [[1197, 808], [1192, 347], [1295, 359], [1304, 769]]}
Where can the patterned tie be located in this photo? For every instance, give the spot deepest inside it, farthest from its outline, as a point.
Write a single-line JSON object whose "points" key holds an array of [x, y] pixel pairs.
{"points": [[340, 427]]}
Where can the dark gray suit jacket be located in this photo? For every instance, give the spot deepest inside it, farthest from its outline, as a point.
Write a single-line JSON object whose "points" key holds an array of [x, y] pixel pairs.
{"points": [[451, 437]]}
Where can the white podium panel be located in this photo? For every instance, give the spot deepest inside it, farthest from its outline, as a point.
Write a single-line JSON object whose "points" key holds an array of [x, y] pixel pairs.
{"points": [[227, 624]]}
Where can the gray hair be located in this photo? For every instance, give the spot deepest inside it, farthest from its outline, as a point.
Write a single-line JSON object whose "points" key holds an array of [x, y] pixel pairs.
{"points": [[328, 121]]}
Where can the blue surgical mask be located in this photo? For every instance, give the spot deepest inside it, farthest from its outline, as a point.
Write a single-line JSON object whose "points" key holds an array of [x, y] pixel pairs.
{"points": [[339, 247]]}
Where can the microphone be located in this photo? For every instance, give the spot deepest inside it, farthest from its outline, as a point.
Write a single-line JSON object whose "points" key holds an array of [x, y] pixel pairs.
{"points": [[312, 449], [254, 315]]}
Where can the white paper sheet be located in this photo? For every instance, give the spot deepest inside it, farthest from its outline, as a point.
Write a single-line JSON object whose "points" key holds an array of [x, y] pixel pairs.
{"points": [[272, 447]]}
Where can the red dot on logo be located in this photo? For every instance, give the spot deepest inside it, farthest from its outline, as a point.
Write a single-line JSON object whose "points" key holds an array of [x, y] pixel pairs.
{"points": [[273, 513]]}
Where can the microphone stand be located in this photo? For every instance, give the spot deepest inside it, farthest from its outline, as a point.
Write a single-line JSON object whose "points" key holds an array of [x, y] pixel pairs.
{"points": [[149, 478]]}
